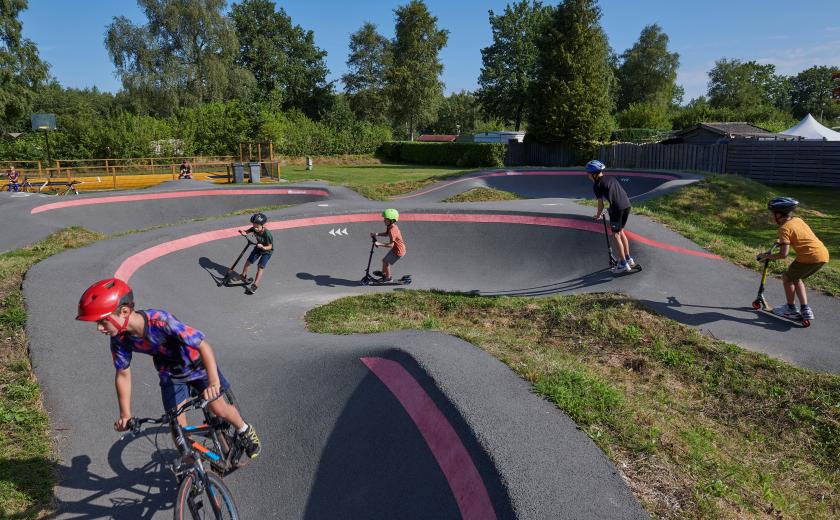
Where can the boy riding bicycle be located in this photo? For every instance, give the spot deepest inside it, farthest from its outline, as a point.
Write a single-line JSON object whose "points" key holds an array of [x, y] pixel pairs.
{"points": [[183, 358]]}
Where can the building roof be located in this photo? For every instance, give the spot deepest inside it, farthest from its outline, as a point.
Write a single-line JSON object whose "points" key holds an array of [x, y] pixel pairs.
{"points": [[437, 138], [731, 130]]}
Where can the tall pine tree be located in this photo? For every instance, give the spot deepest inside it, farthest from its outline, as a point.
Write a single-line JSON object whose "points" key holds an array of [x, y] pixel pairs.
{"points": [[570, 99]]}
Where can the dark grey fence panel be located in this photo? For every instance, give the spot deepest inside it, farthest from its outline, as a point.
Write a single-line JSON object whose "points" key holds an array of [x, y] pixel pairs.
{"points": [[813, 163]]}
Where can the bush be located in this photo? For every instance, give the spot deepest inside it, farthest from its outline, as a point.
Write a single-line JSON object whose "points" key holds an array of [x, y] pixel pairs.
{"points": [[453, 154], [295, 134], [639, 135]]}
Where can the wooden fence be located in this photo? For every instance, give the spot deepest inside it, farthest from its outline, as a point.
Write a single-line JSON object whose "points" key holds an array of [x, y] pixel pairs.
{"points": [[710, 158], [814, 163]]}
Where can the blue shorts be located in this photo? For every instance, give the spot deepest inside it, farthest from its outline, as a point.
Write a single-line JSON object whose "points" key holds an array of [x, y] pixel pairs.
{"points": [[259, 255], [175, 393]]}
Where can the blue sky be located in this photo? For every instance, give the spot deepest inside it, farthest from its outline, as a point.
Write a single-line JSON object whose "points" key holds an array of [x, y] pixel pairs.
{"points": [[791, 35]]}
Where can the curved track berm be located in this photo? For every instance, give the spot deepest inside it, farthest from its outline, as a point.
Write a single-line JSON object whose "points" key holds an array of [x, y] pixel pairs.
{"points": [[400, 425]]}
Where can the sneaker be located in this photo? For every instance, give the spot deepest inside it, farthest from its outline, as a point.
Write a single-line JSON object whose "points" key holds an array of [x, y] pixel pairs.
{"points": [[631, 262], [622, 267], [806, 312], [249, 442], [252, 289], [786, 311]]}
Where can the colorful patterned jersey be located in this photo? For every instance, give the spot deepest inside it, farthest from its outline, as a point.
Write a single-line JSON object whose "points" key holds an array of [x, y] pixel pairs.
{"points": [[172, 345]]}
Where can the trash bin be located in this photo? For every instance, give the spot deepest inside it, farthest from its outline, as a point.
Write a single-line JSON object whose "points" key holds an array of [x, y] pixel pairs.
{"points": [[255, 172], [238, 172]]}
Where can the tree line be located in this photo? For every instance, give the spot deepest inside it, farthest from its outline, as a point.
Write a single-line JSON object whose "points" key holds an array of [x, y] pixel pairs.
{"points": [[210, 77]]}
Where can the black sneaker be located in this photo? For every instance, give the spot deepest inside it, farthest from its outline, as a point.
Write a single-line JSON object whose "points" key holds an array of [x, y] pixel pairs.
{"points": [[249, 442], [252, 289]]}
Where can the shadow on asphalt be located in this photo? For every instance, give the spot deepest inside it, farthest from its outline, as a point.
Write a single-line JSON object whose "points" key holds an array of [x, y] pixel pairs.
{"points": [[143, 486], [670, 307], [595, 278], [325, 280], [376, 464]]}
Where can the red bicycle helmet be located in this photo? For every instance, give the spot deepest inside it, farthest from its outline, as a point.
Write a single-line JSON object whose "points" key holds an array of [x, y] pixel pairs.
{"points": [[103, 298]]}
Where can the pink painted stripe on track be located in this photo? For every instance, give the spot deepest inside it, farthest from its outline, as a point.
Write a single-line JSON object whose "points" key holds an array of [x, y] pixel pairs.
{"points": [[175, 195], [514, 173], [131, 264], [451, 455]]}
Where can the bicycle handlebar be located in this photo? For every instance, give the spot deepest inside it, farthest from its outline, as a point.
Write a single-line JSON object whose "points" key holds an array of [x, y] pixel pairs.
{"points": [[197, 402]]}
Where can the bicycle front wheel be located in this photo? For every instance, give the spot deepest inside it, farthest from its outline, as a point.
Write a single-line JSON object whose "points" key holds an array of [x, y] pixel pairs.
{"points": [[197, 502]]}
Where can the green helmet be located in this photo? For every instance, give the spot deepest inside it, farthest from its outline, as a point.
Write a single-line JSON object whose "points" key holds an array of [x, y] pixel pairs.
{"points": [[391, 214]]}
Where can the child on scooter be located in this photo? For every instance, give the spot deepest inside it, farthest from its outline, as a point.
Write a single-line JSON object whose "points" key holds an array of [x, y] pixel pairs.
{"points": [[811, 255], [395, 242], [261, 253], [619, 211]]}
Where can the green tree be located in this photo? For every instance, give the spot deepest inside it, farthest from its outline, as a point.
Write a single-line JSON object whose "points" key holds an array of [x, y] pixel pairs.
{"points": [[745, 86], [184, 56], [457, 113], [289, 68], [648, 72], [412, 81], [508, 64], [644, 115], [364, 83], [570, 99], [21, 69], [811, 92]]}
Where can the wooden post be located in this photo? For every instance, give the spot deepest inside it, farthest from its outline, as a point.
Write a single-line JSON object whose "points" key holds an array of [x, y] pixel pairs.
{"points": [[259, 151], [240, 152], [39, 169], [271, 151], [173, 172], [250, 151], [57, 167], [114, 175]]}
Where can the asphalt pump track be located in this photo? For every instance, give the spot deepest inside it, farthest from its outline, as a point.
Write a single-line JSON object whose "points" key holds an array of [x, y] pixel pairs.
{"points": [[406, 424]]}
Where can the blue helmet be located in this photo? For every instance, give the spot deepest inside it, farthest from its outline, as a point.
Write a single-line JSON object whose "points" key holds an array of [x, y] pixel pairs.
{"points": [[782, 204], [595, 167]]}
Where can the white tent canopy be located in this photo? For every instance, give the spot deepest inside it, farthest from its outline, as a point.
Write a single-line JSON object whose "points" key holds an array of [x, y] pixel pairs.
{"points": [[810, 128]]}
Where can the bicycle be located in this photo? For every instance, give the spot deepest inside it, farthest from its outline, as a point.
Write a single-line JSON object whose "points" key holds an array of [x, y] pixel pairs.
{"points": [[198, 488]]}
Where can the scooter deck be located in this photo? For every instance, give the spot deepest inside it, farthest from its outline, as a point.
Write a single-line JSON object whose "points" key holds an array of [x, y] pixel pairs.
{"points": [[804, 323], [405, 280], [636, 269]]}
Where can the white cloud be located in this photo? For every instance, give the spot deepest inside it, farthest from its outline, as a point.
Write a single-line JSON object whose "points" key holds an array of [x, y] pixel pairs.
{"points": [[796, 59]]}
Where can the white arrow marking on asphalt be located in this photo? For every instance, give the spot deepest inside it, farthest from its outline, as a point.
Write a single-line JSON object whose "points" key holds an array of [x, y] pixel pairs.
{"points": [[345, 232], [332, 232]]}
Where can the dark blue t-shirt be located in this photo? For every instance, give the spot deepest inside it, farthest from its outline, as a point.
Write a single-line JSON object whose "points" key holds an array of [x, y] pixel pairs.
{"points": [[610, 188]]}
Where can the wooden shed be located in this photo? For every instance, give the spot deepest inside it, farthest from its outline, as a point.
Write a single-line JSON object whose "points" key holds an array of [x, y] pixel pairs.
{"points": [[721, 133]]}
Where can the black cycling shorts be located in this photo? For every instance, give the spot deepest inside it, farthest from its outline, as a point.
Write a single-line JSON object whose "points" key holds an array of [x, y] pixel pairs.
{"points": [[618, 219]]}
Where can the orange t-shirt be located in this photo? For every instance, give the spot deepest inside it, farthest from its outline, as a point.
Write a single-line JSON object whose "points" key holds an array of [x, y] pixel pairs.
{"points": [[396, 237], [809, 249]]}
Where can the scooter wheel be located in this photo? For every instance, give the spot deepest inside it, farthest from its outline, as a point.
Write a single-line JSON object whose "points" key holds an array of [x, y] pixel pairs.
{"points": [[756, 304], [365, 281], [806, 323]]}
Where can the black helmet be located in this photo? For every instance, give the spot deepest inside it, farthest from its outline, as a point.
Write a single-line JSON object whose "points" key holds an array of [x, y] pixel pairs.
{"points": [[259, 219], [782, 204]]}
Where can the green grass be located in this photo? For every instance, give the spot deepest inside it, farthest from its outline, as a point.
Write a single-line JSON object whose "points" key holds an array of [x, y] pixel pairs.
{"points": [[727, 214], [700, 428], [377, 182], [27, 466], [483, 195]]}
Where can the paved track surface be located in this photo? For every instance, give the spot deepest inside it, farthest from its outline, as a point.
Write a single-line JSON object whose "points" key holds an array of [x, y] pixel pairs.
{"points": [[401, 425]]}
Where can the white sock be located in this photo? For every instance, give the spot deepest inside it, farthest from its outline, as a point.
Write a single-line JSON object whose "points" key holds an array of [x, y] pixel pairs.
{"points": [[243, 429]]}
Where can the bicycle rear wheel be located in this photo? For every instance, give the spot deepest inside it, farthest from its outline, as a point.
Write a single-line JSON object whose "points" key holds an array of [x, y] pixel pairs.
{"points": [[214, 501]]}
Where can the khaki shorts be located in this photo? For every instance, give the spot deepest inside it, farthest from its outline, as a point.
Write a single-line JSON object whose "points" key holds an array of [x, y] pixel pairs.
{"points": [[799, 271]]}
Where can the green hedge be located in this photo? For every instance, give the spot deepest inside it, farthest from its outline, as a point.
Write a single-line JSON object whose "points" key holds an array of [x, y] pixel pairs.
{"points": [[453, 154]]}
